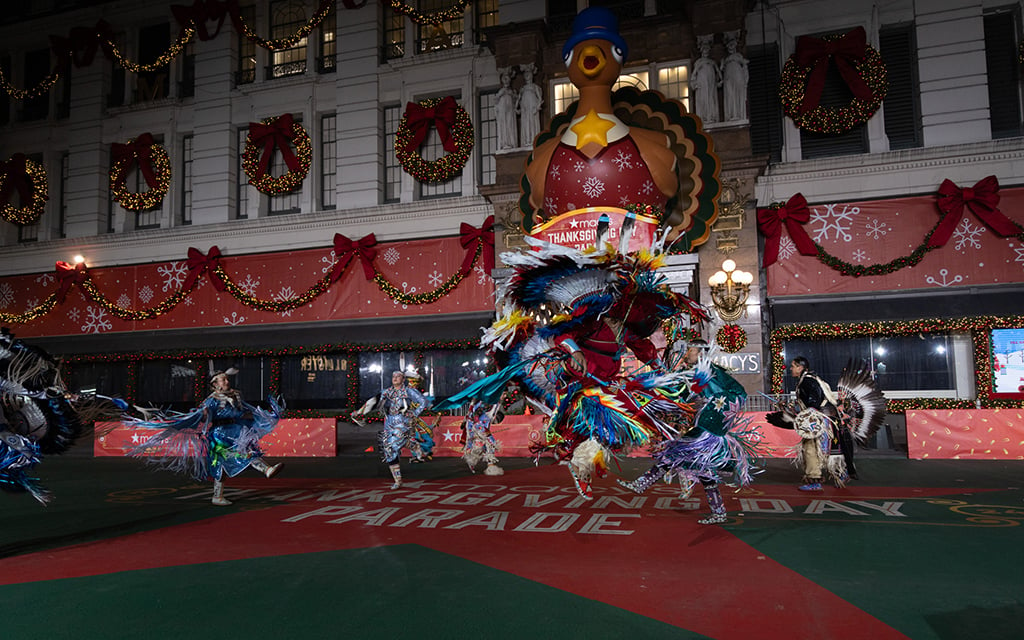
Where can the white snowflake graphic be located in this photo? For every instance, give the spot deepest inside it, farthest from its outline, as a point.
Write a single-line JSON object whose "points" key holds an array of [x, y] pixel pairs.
{"points": [[593, 187], [234, 320], [554, 171], [146, 294], [647, 188], [435, 279], [188, 302], [623, 160], [74, 314], [124, 301], [249, 285], [967, 235], [875, 229], [1020, 254], [32, 304], [6, 295], [580, 166], [835, 222], [329, 262], [407, 290], [786, 248], [624, 202], [549, 204], [481, 275], [391, 256], [945, 282], [95, 320], [173, 274], [860, 255], [286, 293], [46, 278]]}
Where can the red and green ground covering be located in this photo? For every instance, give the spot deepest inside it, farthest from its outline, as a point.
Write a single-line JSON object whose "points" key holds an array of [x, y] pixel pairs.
{"points": [[915, 549]]}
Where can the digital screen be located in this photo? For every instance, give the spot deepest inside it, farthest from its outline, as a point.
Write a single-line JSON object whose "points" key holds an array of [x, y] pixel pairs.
{"points": [[1008, 361]]}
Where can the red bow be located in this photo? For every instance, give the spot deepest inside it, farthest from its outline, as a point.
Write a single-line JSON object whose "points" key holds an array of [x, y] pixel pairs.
{"points": [[69, 275], [419, 118], [15, 179], [982, 199], [198, 264], [847, 51], [794, 214], [276, 134], [198, 14], [84, 40], [344, 249], [140, 148], [469, 239]]}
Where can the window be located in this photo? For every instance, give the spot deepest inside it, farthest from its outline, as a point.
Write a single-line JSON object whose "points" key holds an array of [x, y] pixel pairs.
{"points": [[246, 72], [187, 84], [248, 196], [1004, 95], [30, 232], [5, 99], [62, 93], [286, 18], [623, 9], [392, 170], [443, 35], [252, 378], [671, 80], [325, 62], [488, 142], [168, 384], [316, 381], [394, 34], [902, 105], [286, 202], [153, 43], [765, 107], [486, 12], [62, 222], [186, 180], [921, 365], [37, 68], [116, 97], [823, 145], [106, 378], [431, 150], [448, 372], [328, 160]]}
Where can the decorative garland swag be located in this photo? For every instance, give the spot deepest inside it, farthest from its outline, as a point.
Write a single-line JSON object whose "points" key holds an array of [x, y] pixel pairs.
{"points": [[27, 178]]}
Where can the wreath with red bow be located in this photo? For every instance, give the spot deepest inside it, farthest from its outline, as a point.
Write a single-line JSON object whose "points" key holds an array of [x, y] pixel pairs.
{"points": [[456, 132], [279, 133], [155, 166], [803, 79], [731, 338], [28, 179]]}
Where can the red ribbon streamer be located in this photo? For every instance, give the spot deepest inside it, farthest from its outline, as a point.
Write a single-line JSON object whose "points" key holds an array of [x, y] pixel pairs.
{"points": [[16, 179], [198, 14], [69, 275], [794, 214], [140, 148], [198, 264], [345, 249], [847, 51], [982, 199], [276, 134], [469, 239], [419, 118]]}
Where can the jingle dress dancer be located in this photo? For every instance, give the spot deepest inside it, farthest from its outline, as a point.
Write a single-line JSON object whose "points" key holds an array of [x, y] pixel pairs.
{"points": [[480, 444], [401, 406]]}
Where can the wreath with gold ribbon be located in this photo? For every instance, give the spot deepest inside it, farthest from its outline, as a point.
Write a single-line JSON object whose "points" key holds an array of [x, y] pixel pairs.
{"points": [[731, 338], [28, 179], [453, 126], [803, 79], [155, 166], [277, 133]]}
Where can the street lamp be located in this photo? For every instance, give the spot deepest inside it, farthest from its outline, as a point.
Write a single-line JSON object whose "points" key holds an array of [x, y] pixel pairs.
{"points": [[729, 290]]}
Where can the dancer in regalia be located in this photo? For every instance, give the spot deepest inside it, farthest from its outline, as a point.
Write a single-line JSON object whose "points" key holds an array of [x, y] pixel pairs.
{"points": [[401, 406], [480, 444], [219, 437]]}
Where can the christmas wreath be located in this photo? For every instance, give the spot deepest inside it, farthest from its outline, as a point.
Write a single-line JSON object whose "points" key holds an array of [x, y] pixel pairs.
{"points": [[731, 338], [154, 165], [803, 79], [28, 178], [278, 133], [453, 126]]}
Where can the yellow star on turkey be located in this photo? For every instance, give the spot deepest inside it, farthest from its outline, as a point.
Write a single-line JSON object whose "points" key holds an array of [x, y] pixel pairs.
{"points": [[592, 129]]}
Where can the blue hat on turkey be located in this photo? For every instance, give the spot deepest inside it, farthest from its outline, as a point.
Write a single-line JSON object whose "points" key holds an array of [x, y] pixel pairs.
{"points": [[595, 23]]}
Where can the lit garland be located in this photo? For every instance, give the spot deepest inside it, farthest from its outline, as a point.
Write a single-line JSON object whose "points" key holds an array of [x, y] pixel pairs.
{"points": [[731, 338], [289, 41], [254, 156], [138, 151], [35, 173], [148, 313], [21, 94], [447, 166], [426, 297], [275, 306], [978, 326], [38, 311], [833, 120], [162, 60], [454, 12]]}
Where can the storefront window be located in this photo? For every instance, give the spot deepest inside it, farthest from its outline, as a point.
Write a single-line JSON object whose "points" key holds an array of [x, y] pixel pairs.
{"points": [[167, 384], [315, 381], [105, 378]]}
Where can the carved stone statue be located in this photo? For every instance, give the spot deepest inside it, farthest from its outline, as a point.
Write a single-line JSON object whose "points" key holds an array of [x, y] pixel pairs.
{"points": [[735, 75], [505, 111], [528, 106], [705, 81]]}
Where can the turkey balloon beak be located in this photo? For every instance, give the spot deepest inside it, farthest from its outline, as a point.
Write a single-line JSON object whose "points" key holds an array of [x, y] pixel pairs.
{"points": [[591, 60]]}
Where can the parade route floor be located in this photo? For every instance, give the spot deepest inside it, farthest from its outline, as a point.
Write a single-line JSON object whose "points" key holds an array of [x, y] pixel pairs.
{"points": [[914, 549]]}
